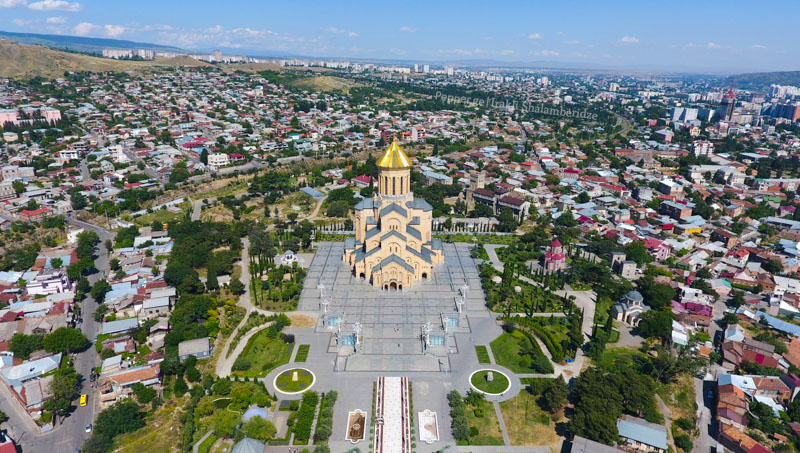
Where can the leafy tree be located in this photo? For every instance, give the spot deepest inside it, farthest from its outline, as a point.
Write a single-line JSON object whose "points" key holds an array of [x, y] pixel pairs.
{"points": [[555, 395], [65, 340], [236, 286], [582, 197], [23, 345], [656, 295], [636, 251], [567, 220], [211, 280], [180, 388], [114, 264], [737, 297], [64, 388], [774, 266], [656, 324], [143, 393], [19, 186], [258, 428], [508, 223], [224, 423], [730, 319], [122, 417], [99, 290]]}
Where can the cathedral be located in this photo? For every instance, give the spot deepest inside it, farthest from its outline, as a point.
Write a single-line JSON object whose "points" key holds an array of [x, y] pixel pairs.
{"points": [[393, 247]]}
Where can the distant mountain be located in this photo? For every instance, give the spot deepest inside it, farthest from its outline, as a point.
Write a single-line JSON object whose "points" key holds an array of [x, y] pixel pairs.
{"points": [[24, 61], [760, 80], [81, 43]]}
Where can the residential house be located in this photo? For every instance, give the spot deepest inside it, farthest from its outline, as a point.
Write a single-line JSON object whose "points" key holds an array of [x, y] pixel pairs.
{"points": [[199, 347]]}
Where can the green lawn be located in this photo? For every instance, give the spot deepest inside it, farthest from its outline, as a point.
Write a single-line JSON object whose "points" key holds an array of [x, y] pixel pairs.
{"points": [[285, 382], [488, 426], [618, 357], [498, 385], [302, 353], [614, 337], [483, 354], [507, 350], [263, 354]]}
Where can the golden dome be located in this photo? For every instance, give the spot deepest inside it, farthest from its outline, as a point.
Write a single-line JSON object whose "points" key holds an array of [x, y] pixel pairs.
{"points": [[394, 157]]}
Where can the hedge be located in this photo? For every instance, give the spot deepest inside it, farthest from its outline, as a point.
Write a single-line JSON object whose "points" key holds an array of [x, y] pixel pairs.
{"points": [[305, 418], [325, 419]]}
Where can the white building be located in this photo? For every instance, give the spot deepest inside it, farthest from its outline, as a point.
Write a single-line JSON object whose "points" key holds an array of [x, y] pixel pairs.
{"points": [[217, 161]]}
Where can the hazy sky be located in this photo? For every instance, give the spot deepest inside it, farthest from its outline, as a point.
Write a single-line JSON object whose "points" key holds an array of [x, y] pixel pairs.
{"points": [[700, 35]]}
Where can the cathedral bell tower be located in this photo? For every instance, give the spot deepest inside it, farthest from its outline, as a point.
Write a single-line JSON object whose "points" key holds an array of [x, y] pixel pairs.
{"points": [[394, 173]]}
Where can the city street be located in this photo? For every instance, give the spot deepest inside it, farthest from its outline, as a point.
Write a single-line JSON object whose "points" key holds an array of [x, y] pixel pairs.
{"points": [[68, 433]]}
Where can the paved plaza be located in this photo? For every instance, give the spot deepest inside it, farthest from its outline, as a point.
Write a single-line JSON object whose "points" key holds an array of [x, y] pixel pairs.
{"points": [[392, 321]]}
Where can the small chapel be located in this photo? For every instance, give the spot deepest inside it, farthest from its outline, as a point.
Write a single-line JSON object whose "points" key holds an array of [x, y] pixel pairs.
{"points": [[393, 247]]}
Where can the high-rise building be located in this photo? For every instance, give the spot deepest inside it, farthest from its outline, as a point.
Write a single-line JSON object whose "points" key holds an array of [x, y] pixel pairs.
{"points": [[727, 104], [426, 68]]}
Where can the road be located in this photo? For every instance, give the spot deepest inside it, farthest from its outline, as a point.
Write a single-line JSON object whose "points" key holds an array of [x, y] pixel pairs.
{"points": [[705, 421], [69, 433]]}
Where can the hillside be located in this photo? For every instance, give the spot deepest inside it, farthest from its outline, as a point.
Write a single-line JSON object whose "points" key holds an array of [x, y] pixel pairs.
{"points": [[80, 43], [22, 61], [759, 80]]}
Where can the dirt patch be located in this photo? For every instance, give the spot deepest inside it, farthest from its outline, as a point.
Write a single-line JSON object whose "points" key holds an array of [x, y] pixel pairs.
{"points": [[303, 321]]}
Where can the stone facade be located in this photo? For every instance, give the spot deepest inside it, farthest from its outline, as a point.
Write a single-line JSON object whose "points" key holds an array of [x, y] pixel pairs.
{"points": [[393, 246]]}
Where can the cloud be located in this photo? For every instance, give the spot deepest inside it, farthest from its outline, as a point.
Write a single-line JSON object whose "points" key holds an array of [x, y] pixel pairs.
{"points": [[20, 22], [629, 40], [340, 31], [83, 28], [507, 52], [757, 47], [55, 5], [12, 3], [544, 53], [712, 45], [574, 42], [114, 31], [535, 36], [488, 38], [407, 29], [56, 20]]}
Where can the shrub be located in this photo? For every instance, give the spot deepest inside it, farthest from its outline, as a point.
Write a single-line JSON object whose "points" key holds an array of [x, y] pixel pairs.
{"points": [[684, 424], [479, 412], [473, 431], [683, 442]]}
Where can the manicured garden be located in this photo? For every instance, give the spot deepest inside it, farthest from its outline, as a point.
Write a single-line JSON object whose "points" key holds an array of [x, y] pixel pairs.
{"points": [[520, 353], [285, 381], [265, 351], [302, 353], [483, 354], [498, 384]]}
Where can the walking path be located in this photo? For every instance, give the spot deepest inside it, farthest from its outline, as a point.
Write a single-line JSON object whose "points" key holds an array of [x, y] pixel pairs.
{"points": [[225, 362], [667, 413], [506, 439]]}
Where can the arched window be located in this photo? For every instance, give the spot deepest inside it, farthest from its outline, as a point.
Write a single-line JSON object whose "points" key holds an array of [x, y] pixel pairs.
{"points": [[394, 186]]}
